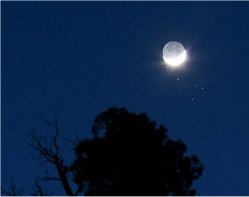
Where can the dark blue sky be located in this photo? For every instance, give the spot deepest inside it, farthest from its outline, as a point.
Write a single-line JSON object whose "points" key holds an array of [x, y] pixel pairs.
{"points": [[75, 59]]}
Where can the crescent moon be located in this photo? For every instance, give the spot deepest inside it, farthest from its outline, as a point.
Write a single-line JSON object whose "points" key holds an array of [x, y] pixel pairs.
{"points": [[174, 54]]}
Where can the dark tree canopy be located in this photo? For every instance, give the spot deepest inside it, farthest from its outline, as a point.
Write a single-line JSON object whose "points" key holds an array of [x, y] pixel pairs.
{"points": [[130, 155]]}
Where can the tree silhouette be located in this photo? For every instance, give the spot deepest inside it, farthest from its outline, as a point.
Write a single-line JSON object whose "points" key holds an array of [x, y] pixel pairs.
{"points": [[128, 155], [131, 155]]}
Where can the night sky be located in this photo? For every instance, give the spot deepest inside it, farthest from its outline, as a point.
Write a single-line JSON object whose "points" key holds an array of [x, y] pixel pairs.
{"points": [[74, 60]]}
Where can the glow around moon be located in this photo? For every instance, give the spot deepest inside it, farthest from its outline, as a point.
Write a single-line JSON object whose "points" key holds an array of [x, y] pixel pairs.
{"points": [[174, 54]]}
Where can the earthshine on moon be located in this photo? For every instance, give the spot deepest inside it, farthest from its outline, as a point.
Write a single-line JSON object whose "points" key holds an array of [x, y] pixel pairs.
{"points": [[174, 54]]}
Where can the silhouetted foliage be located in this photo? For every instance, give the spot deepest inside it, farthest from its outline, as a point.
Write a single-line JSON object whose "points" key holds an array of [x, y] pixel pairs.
{"points": [[128, 155], [131, 155]]}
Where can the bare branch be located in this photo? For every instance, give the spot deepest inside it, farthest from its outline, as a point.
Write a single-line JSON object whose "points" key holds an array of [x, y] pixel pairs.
{"points": [[69, 142], [51, 124], [39, 190], [48, 178], [40, 145], [50, 152], [79, 190], [57, 131], [72, 143], [12, 191]]}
